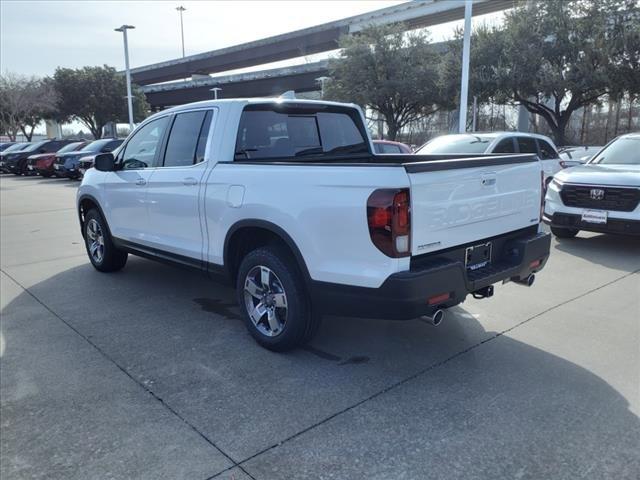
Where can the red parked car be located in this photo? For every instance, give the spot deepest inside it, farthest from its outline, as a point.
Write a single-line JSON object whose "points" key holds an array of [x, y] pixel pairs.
{"points": [[387, 146], [42, 163]]}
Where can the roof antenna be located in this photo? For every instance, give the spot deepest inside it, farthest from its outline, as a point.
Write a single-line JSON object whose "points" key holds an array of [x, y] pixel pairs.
{"points": [[288, 95]]}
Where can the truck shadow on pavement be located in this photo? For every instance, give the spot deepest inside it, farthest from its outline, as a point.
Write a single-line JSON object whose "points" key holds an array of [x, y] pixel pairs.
{"points": [[612, 251], [383, 396]]}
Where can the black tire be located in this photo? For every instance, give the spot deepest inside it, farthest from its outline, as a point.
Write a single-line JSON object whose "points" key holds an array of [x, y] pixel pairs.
{"points": [[300, 323], [111, 259], [46, 174], [564, 232]]}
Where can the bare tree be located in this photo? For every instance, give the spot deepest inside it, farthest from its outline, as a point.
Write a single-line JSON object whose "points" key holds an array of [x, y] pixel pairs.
{"points": [[24, 103]]}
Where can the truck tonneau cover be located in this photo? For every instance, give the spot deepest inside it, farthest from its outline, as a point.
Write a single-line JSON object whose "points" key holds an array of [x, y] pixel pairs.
{"points": [[412, 163]]}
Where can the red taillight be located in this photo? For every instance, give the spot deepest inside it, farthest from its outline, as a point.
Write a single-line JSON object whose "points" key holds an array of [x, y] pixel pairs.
{"points": [[389, 221], [535, 264]]}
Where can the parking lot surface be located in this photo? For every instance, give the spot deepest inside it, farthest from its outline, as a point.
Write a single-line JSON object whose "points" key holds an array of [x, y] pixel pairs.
{"points": [[149, 373]]}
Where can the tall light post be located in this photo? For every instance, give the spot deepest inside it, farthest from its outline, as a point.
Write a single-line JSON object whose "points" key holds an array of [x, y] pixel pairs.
{"points": [[464, 84], [215, 91], [181, 9], [321, 81], [124, 29]]}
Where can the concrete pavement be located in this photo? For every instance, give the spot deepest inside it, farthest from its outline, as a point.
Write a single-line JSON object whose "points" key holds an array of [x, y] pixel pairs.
{"points": [[148, 373]]}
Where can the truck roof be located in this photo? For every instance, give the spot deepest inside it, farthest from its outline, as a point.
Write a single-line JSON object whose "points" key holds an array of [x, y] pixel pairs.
{"points": [[248, 101]]}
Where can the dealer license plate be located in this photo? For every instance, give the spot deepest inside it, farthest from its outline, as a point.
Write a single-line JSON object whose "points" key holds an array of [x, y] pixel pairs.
{"points": [[478, 256], [594, 216]]}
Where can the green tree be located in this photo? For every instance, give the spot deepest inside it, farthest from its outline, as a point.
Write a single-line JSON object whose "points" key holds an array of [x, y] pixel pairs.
{"points": [[389, 72], [24, 103], [557, 56], [95, 96]]}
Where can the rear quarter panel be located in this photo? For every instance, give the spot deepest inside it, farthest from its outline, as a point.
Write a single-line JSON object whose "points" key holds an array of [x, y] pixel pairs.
{"points": [[322, 208]]}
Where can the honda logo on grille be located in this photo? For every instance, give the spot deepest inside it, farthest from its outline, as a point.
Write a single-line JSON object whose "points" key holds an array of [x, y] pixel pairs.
{"points": [[597, 194]]}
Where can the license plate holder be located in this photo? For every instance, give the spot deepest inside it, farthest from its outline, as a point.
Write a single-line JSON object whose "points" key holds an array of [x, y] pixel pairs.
{"points": [[478, 256], [595, 216]]}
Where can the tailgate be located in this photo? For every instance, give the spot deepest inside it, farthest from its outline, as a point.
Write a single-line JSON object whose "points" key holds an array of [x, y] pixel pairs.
{"points": [[454, 202]]}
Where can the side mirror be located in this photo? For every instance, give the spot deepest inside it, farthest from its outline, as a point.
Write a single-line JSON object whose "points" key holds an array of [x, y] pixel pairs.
{"points": [[105, 162], [106, 150], [42, 150]]}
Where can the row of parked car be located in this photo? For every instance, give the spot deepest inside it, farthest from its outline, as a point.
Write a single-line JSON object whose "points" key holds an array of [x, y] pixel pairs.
{"points": [[53, 158]]}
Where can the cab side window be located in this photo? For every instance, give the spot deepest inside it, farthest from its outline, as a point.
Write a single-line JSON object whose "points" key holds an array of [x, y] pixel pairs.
{"points": [[547, 152], [187, 139], [505, 145], [140, 151]]}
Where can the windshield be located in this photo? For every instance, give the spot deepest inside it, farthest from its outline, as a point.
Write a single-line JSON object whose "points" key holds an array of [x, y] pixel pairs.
{"points": [[16, 148], [456, 144], [95, 146], [70, 148], [35, 146], [623, 151]]}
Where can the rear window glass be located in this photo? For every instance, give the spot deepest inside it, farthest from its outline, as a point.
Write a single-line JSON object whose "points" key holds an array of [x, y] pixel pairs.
{"points": [[267, 134], [456, 144], [505, 145], [386, 148], [527, 145]]}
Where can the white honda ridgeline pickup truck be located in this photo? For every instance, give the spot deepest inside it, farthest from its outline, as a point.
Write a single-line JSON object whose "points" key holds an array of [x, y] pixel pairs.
{"points": [[286, 200]]}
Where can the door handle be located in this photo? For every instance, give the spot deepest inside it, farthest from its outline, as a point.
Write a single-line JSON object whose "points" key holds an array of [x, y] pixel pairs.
{"points": [[141, 181], [190, 181]]}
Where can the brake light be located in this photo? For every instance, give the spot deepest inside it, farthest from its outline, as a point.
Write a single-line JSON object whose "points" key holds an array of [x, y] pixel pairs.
{"points": [[389, 221]]}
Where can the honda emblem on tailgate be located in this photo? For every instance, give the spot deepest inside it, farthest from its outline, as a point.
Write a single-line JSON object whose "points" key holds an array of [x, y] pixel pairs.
{"points": [[597, 194]]}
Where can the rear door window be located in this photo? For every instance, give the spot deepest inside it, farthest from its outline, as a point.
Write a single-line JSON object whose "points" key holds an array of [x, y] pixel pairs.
{"points": [[547, 152], [265, 134], [527, 145], [185, 139]]}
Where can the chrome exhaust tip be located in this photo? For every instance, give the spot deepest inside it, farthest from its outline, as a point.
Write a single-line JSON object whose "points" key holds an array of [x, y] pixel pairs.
{"points": [[528, 281], [435, 318]]}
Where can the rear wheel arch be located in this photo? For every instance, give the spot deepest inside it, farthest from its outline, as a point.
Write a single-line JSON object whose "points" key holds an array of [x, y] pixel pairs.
{"points": [[248, 235]]}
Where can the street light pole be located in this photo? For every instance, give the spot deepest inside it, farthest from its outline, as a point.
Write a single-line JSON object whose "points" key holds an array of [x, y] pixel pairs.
{"points": [[464, 84], [124, 29], [181, 9], [321, 81]]}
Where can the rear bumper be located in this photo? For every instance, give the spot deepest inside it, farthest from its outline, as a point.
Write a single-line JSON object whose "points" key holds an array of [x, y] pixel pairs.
{"points": [[622, 226], [405, 295]]}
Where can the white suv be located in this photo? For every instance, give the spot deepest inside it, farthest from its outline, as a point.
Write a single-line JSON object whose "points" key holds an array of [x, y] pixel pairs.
{"points": [[601, 196], [498, 142]]}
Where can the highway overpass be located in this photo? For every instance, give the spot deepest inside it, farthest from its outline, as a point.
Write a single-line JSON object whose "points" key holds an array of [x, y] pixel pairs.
{"points": [[321, 38]]}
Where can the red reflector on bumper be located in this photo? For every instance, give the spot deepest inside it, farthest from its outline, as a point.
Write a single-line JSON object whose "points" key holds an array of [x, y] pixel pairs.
{"points": [[443, 297], [535, 264]]}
